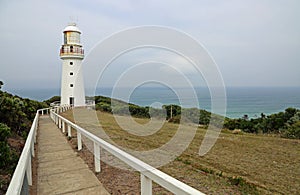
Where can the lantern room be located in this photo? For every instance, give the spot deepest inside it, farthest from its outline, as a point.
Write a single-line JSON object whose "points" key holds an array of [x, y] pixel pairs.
{"points": [[71, 45]]}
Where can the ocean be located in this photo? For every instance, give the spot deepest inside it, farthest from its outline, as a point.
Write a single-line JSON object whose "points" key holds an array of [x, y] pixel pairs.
{"points": [[251, 101]]}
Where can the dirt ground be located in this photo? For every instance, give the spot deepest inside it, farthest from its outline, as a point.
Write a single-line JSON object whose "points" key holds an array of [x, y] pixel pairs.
{"points": [[116, 181], [237, 164]]}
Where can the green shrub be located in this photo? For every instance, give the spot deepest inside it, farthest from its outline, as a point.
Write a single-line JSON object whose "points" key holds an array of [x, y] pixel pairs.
{"points": [[292, 131], [4, 132], [5, 154], [104, 107]]}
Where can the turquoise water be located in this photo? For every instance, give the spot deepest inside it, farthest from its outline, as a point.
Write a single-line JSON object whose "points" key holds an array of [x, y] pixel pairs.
{"points": [[240, 100]]}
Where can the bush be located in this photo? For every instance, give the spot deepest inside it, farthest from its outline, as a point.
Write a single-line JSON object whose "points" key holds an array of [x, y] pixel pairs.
{"points": [[5, 154], [104, 107], [293, 131], [205, 117], [230, 124], [139, 111], [4, 132]]}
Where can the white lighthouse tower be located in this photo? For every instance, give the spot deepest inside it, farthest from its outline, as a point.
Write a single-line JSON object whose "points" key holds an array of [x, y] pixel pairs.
{"points": [[72, 54]]}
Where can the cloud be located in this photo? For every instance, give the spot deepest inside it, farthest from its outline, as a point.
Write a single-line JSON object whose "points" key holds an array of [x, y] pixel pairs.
{"points": [[248, 39]]}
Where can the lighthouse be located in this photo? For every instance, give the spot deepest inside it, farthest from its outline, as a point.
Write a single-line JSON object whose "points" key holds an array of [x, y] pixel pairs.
{"points": [[72, 54]]}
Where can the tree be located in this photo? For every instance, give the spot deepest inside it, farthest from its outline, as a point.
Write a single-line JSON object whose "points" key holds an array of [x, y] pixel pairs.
{"points": [[1, 83], [172, 110]]}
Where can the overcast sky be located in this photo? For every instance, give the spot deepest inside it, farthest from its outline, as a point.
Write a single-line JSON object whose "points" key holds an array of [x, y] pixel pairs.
{"points": [[254, 42]]}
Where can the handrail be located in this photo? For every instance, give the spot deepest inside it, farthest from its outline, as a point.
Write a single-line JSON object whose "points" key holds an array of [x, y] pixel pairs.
{"points": [[71, 50], [19, 183], [147, 172], [55, 103]]}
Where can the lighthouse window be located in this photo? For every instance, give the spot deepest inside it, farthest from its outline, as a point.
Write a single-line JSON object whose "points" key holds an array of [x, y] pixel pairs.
{"points": [[71, 73], [71, 85], [65, 38], [71, 63]]}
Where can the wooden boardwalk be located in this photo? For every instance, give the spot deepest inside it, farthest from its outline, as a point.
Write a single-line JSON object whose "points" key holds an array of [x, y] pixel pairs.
{"points": [[60, 170]]}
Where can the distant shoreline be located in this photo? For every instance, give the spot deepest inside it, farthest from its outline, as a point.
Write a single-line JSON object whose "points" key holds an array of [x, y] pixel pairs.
{"points": [[240, 100]]}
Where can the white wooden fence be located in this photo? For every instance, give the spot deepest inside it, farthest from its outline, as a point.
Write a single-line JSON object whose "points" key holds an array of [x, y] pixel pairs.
{"points": [[148, 174], [23, 173]]}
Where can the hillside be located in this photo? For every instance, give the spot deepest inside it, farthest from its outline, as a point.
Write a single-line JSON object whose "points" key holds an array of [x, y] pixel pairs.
{"points": [[16, 116], [240, 163], [286, 124]]}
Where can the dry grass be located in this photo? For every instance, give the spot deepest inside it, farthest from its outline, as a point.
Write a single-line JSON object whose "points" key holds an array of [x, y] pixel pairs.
{"points": [[237, 164]]}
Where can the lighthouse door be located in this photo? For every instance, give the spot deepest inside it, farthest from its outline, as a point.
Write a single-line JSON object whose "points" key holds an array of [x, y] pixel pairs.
{"points": [[71, 101]]}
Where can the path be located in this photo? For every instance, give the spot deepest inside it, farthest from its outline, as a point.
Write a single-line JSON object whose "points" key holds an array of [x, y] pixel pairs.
{"points": [[60, 170]]}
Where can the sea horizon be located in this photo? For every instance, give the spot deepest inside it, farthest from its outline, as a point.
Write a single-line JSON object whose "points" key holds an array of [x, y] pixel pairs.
{"points": [[251, 101]]}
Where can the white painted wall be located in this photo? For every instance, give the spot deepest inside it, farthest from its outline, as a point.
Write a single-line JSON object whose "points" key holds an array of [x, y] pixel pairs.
{"points": [[77, 91]]}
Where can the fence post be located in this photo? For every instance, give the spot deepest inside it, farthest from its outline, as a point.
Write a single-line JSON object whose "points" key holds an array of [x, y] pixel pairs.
{"points": [[146, 185], [69, 131], [35, 129], [59, 123], [97, 157], [63, 127], [29, 171], [32, 148], [79, 143]]}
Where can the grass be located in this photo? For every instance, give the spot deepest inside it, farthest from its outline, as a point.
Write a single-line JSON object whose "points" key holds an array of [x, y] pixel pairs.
{"points": [[237, 164]]}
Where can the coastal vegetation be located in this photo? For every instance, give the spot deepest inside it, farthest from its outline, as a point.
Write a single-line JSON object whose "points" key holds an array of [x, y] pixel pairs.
{"points": [[250, 155], [286, 124], [242, 163], [51, 100], [16, 116]]}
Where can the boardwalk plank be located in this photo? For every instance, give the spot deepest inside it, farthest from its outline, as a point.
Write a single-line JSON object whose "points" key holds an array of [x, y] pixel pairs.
{"points": [[60, 170]]}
